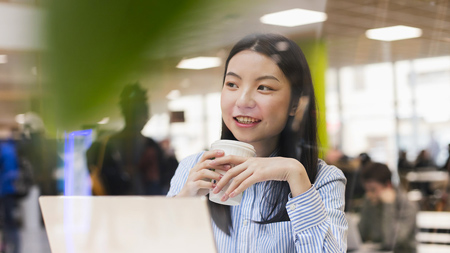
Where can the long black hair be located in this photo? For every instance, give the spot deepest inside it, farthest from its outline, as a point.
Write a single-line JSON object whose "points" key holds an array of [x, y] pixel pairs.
{"points": [[300, 144]]}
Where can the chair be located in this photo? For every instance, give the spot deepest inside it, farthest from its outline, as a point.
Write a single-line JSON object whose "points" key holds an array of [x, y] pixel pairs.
{"points": [[433, 232]]}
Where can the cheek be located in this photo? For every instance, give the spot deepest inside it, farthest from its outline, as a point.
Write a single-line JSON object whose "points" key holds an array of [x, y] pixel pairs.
{"points": [[226, 103], [280, 110]]}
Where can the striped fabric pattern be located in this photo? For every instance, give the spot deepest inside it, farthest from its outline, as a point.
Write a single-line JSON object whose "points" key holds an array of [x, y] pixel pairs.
{"points": [[318, 222]]}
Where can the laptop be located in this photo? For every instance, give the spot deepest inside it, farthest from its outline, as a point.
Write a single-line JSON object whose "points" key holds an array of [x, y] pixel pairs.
{"points": [[132, 224]]}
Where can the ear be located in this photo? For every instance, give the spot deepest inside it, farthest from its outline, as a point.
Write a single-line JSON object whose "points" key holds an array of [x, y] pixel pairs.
{"points": [[293, 110]]}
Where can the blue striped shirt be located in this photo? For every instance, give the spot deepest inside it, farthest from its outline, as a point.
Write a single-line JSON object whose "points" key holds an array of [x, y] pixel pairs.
{"points": [[317, 220]]}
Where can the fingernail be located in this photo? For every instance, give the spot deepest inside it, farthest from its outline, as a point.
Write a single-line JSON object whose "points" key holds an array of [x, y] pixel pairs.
{"points": [[224, 198], [227, 166], [215, 190], [219, 152], [233, 194], [214, 185]]}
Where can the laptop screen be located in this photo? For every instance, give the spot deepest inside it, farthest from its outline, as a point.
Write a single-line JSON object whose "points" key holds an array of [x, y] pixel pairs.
{"points": [[127, 224]]}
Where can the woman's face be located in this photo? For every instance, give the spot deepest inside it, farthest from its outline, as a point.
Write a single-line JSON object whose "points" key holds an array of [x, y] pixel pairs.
{"points": [[255, 99]]}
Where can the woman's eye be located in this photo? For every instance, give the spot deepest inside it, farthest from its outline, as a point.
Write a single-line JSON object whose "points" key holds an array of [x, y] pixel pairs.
{"points": [[264, 88], [231, 85]]}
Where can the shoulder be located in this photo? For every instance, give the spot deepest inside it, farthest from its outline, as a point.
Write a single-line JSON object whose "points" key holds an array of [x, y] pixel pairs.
{"points": [[328, 173]]}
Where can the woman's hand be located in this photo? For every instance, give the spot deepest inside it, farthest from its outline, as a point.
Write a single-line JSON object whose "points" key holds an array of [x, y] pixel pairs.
{"points": [[249, 171], [199, 179]]}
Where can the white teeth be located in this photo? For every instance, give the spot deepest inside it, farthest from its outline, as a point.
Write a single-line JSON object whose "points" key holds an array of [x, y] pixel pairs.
{"points": [[246, 120]]}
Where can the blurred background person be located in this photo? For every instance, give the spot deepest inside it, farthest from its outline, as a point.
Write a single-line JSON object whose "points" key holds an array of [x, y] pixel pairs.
{"points": [[403, 167], [444, 203], [170, 164], [424, 160], [41, 152], [351, 167], [9, 173], [446, 166], [387, 216], [131, 164]]}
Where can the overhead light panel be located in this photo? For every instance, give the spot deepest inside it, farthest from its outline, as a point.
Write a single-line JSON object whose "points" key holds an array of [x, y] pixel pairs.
{"points": [[200, 63], [3, 59], [392, 33], [293, 17]]}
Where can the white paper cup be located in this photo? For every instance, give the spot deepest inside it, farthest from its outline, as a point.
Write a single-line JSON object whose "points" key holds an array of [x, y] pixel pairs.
{"points": [[230, 148]]}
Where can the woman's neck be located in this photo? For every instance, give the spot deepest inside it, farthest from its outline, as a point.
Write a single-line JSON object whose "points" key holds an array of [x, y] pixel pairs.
{"points": [[264, 149]]}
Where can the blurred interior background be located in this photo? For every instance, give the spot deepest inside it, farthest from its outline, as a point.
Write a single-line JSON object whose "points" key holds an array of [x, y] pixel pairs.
{"points": [[64, 63]]}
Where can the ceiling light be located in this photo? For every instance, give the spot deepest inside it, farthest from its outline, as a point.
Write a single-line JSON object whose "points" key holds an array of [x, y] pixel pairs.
{"points": [[399, 32], [3, 58], [173, 94], [293, 17], [200, 63]]}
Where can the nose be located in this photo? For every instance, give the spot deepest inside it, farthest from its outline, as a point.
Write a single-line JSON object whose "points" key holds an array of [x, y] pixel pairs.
{"points": [[246, 99]]}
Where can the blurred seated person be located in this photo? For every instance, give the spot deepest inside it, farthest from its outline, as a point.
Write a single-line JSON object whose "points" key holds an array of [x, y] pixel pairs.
{"points": [[170, 164], [387, 216], [423, 160], [444, 203], [131, 164], [446, 166], [403, 167], [403, 164], [354, 192]]}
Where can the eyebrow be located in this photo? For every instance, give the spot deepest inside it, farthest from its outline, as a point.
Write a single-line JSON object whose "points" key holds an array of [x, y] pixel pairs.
{"points": [[267, 77], [257, 79], [233, 74]]}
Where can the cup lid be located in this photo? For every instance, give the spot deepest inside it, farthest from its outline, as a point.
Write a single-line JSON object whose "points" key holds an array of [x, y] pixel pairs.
{"points": [[217, 144]]}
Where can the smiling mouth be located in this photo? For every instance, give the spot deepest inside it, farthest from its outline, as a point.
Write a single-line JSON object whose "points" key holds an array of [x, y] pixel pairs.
{"points": [[246, 120]]}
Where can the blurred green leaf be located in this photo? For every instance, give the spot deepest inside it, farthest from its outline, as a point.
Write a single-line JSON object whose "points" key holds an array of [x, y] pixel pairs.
{"points": [[93, 47]]}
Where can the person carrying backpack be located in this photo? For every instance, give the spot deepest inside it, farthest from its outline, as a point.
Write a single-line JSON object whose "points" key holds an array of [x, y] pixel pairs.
{"points": [[9, 172]]}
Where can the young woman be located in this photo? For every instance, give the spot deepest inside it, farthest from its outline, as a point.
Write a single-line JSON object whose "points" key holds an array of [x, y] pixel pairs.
{"points": [[292, 201]]}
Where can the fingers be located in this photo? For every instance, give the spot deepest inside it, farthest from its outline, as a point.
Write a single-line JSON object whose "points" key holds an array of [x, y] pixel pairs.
{"points": [[230, 174], [241, 187], [241, 182], [205, 161], [208, 155], [206, 174], [229, 159], [201, 184]]}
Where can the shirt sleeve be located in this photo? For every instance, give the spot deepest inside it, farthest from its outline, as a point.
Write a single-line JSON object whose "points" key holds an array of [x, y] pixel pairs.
{"points": [[182, 173], [317, 216]]}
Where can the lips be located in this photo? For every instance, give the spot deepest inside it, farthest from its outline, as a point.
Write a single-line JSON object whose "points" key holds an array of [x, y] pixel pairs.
{"points": [[246, 120]]}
